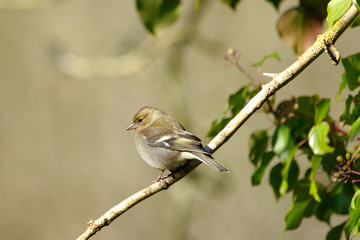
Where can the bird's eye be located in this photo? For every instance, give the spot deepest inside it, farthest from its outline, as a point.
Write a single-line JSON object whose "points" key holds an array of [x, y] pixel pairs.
{"points": [[140, 120]]}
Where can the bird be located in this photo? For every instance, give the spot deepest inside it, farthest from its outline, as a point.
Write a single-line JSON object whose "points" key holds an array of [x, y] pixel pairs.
{"points": [[164, 144]]}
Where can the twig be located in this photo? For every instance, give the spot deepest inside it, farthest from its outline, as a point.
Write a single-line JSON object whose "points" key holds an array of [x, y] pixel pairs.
{"points": [[255, 103], [234, 60], [303, 141]]}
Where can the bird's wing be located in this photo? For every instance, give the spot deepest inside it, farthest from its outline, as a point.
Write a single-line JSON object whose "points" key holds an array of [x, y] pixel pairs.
{"points": [[181, 141]]}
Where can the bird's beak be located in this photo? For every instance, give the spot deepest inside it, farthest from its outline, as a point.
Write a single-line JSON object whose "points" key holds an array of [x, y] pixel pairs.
{"points": [[131, 127]]}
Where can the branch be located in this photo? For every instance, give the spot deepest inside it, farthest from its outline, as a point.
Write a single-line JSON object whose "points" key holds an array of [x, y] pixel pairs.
{"points": [[278, 81]]}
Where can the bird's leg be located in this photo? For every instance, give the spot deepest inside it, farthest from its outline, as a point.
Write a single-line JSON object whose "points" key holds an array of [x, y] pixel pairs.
{"points": [[159, 177]]}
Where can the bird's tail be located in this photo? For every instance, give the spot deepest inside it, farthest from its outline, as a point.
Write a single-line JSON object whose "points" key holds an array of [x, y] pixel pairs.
{"points": [[208, 160]]}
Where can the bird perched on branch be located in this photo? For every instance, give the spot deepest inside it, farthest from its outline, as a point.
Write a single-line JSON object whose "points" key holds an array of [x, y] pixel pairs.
{"points": [[164, 143]]}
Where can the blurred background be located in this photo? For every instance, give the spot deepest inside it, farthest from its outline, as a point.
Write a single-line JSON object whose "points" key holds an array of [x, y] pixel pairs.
{"points": [[72, 75]]}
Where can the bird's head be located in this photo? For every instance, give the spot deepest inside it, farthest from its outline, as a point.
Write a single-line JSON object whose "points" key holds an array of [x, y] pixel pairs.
{"points": [[144, 117]]}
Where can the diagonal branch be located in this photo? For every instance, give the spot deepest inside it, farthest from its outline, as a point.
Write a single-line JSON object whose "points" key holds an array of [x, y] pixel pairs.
{"points": [[278, 81]]}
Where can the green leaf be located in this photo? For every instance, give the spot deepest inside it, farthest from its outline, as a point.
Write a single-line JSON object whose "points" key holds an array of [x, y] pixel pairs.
{"points": [[352, 71], [316, 160], [258, 145], [234, 105], [355, 112], [319, 5], [238, 100], [312, 208], [276, 177], [357, 4], [293, 174], [295, 215], [346, 113], [322, 110], [342, 86], [259, 171], [324, 211], [217, 126], [335, 9], [231, 3], [352, 109], [284, 187], [284, 147], [335, 232], [261, 62], [306, 105], [275, 3], [301, 203], [282, 140], [353, 226], [354, 131], [158, 13], [318, 139], [340, 198]]}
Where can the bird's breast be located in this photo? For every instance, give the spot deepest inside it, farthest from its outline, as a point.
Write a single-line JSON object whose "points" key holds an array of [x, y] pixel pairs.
{"points": [[158, 157]]}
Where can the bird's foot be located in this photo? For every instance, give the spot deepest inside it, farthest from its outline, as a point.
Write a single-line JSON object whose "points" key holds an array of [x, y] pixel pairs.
{"points": [[159, 177], [162, 180]]}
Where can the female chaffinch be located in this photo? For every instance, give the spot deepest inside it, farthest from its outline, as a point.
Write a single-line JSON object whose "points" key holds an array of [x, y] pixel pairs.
{"points": [[164, 143]]}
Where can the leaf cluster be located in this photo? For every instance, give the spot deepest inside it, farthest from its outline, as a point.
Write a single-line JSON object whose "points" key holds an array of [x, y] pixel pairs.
{"points": [[306, 135]]}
